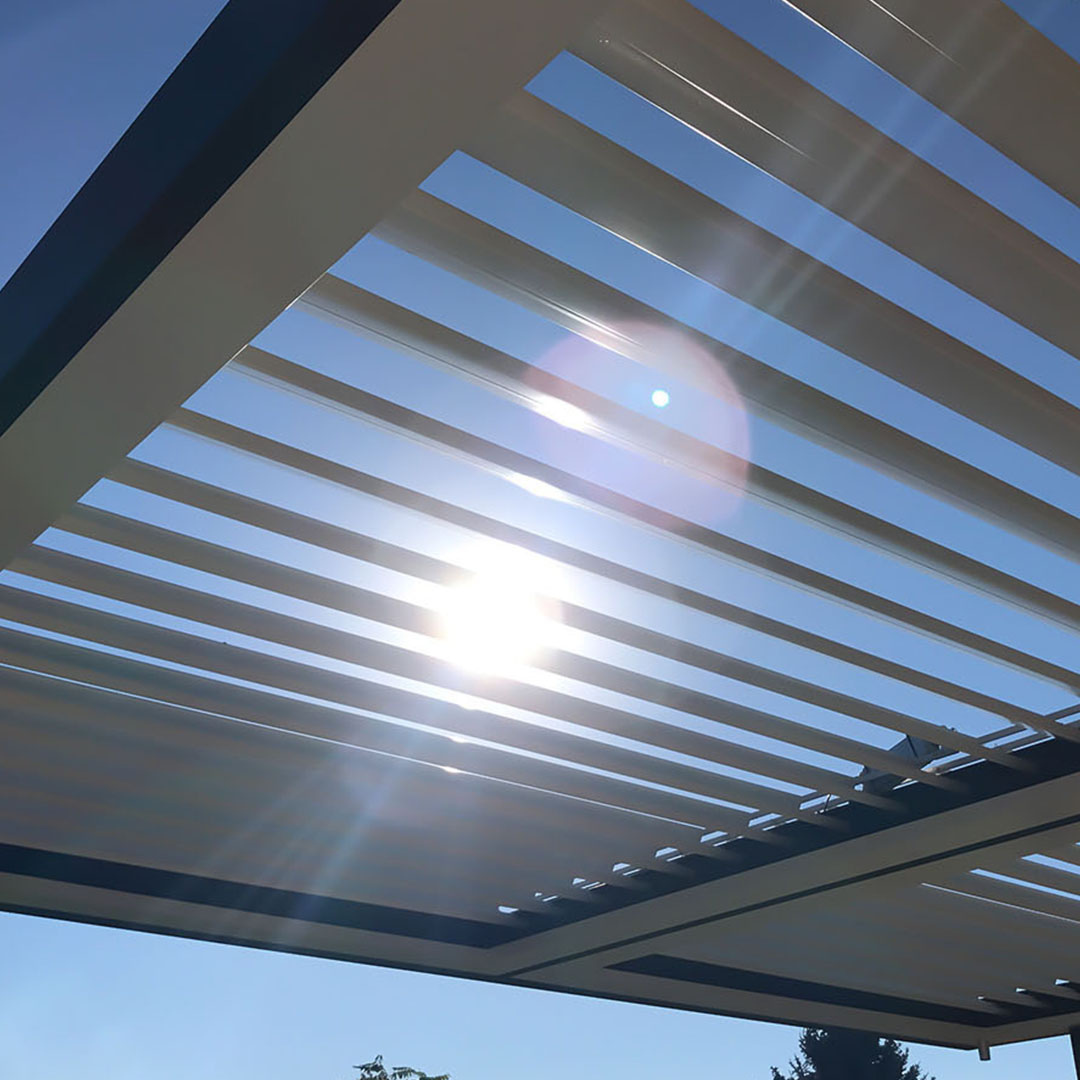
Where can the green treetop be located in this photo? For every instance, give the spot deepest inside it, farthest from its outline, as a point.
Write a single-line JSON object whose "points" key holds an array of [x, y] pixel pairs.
{"points": [[826, 1054]]}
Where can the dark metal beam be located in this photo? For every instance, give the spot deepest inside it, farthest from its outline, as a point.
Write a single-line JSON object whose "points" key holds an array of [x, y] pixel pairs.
{"points": [[251, 72]]}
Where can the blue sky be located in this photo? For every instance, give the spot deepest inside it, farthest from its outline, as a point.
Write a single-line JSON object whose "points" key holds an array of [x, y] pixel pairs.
{"points": [[105, 1004], [111, 1004]]}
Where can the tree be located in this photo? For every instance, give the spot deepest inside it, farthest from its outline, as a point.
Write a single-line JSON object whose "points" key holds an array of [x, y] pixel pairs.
{"points": [[827, 1054], [375, 1070]]}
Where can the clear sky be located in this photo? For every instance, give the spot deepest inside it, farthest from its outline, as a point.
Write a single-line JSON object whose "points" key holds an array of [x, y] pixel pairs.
{"points": [[101, 1003]]}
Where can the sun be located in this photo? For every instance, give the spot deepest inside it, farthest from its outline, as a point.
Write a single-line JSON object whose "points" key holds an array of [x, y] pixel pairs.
{"points": [[495, 623]]}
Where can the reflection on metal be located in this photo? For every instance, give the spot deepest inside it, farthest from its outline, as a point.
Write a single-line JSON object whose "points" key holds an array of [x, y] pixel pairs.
{"points": [[491, 612]]}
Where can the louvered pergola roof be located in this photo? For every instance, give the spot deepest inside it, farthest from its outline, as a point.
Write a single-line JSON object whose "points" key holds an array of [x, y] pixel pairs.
{"points": [[735, 343]]}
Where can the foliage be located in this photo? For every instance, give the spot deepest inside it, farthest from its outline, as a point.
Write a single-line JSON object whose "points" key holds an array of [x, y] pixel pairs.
{"points": [[826, 1054], [375, 1070]]}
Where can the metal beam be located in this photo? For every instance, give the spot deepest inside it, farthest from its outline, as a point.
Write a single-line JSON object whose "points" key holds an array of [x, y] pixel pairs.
{"points": [[244, 211]]}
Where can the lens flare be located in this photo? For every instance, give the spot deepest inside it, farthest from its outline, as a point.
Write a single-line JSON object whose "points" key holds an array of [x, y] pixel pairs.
{"points": [[646, 368]]}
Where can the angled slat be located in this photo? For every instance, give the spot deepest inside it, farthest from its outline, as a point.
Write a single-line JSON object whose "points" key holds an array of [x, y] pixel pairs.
{"points": [[142, 638], [224, 562], [981, 63], [366, 312], [1017, 744], [338, 301], [296, 633], [130, 676], [275, 519], [254, 790], [561, 158], [456, 241], [473, 447], [256, 707], [353, 479], [688, 64]]}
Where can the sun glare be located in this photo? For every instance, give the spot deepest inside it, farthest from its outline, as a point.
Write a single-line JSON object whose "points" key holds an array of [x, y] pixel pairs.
{"points": [[494, 623]]}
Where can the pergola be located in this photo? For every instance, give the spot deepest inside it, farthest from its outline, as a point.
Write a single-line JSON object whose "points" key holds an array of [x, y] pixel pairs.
{"points": [[452, 521]]}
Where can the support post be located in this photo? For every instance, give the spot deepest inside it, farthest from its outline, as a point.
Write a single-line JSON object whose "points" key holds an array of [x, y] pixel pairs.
{"points": [[1074, 1038]]}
